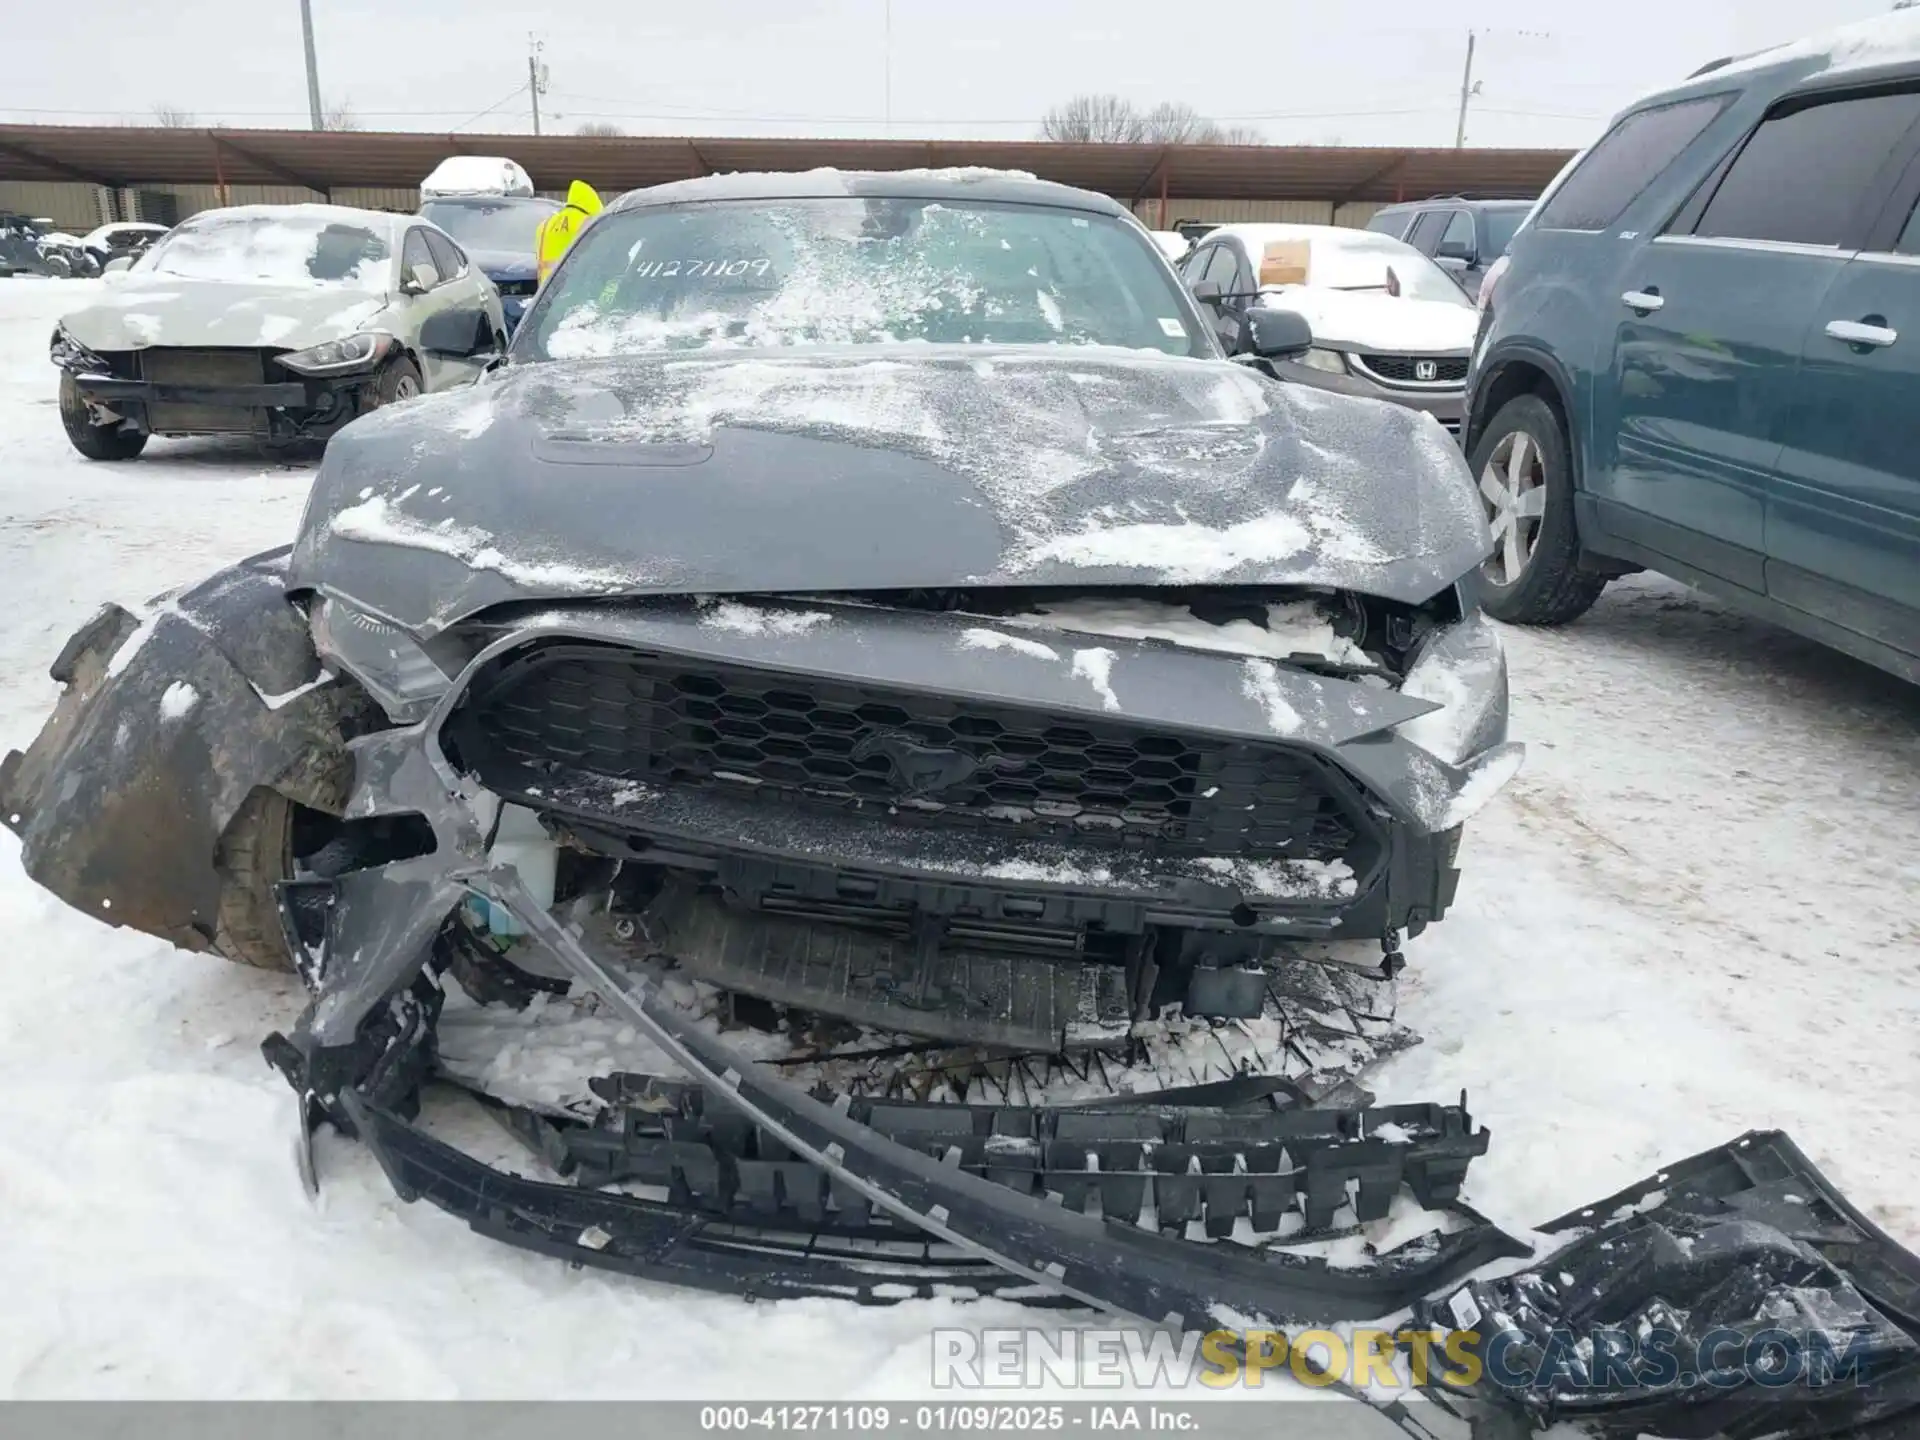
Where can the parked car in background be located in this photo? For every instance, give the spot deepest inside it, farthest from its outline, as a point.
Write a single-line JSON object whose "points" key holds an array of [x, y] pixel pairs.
{"points": [[1703, 355], [1172, 243], [132, 238], [487, 203], [277, 321], [66, 256], [1464, 237], [1387, 322]]}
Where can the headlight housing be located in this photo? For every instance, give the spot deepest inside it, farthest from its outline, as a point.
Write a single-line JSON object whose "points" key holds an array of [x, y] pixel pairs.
{"points": [[402, 676], [1331, 361], [337, 357], [69, 354]]}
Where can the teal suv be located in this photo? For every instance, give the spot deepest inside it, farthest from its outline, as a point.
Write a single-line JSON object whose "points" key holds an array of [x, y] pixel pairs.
{"points": [[1702, 355]]}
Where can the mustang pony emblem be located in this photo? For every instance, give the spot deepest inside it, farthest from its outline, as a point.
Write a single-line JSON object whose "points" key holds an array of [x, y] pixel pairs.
{"points": [[925, 770]]}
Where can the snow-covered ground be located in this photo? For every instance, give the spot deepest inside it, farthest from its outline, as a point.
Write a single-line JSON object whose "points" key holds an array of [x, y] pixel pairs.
{"points": [[1691, 915]]}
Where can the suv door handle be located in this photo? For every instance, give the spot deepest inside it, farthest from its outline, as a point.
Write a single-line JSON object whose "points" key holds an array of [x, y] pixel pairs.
{"points": [[1871, 333], [1645, 301]]}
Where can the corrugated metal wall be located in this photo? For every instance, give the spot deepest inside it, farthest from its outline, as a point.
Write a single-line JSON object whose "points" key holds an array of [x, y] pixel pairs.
{"points": [[77, 207], [1228, 212], [71, 207]]}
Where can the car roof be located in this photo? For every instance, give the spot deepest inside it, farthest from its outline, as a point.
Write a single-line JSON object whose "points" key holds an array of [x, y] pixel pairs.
{"points": [[383, 222], [961, 183], [1254, 234], [1866, 48], [540, 200]]}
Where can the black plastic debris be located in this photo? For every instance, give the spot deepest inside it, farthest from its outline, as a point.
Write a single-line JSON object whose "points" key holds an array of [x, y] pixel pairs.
{"points": [[1733, 1294]]}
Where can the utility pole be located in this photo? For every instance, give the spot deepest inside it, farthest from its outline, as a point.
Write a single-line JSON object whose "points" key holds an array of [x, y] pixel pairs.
{"points": [[313, 66], [1467, 88], [536, 78]]}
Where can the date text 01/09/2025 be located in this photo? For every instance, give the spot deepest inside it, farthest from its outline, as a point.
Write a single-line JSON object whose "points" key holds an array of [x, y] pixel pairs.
{"points": [[971, 1419]]}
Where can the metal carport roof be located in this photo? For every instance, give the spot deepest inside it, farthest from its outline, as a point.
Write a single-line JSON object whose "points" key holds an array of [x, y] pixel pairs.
{"points": [[323, 160]]}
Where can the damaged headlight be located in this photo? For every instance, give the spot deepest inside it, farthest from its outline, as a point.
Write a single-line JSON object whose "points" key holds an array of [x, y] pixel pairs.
{"points": [[402, 676], [1462, 669], [356, 352], [69, 354]]}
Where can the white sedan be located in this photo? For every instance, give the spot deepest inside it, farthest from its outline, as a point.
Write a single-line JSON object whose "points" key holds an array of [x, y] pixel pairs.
{"points": [[281, 322], [1387, 322]]}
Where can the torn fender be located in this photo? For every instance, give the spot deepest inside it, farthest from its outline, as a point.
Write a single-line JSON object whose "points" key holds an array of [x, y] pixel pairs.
{"points": [[166, 723]]}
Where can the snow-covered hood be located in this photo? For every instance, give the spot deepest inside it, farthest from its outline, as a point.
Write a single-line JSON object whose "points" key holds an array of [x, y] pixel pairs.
{"points": [[1373, 320], [146, 309], [879, 468]]}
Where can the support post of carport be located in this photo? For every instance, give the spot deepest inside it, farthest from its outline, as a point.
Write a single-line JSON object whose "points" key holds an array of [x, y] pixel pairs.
{"points": [[1165, 166], [219, 170]]}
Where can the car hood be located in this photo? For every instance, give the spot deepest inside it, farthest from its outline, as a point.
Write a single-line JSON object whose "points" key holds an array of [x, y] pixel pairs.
{"points": [[879, 468], [1370, 320], [498, 265], [139, 310]]}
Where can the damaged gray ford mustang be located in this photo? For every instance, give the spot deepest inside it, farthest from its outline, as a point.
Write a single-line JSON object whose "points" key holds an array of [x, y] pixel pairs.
{"points": [[870, 641]]}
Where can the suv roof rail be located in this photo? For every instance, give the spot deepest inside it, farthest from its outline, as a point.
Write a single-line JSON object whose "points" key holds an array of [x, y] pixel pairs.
{"points": [[1474, 199], [1713, 65]]}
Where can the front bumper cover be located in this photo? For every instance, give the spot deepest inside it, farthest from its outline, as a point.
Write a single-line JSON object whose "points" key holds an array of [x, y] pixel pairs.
{"points": [[96, 806]]}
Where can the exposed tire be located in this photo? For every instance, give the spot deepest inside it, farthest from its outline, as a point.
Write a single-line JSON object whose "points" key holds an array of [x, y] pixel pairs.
{"points": [[399, 380], [96, 442], [255, 854], [1525, 476]]}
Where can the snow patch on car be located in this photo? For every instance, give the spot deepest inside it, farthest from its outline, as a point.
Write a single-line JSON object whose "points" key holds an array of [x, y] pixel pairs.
{"points": [[1299, 628], [1185, 554], [177, 699], [1096, 668], [1260, 683], [759, 620], [983, 639], [378, 522]]}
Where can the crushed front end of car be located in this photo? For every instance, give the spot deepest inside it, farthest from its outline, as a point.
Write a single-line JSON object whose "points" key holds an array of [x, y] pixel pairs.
{"points": [[909, 893]]}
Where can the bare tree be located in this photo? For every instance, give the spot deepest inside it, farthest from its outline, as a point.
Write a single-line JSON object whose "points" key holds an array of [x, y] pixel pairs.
{"points": [[1114, 120], [172, 117], [341, 117], [1106, 119], [600, 128]]}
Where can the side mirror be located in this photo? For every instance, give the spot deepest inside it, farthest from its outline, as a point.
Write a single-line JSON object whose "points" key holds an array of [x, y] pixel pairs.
{"points": [[120, 264], [1274, 334], [460, 334], [1457, 253], [1207, 292], [419, 279]]}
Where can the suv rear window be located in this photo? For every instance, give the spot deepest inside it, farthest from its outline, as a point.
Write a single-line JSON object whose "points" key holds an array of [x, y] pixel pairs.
{"points": [[1803, 175], [1624, 160]]}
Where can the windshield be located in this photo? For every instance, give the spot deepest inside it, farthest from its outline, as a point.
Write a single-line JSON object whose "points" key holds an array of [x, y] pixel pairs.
{"points": [[490, 224], [858, 271], [1500, 226], [1359, 259], [288, 249]]}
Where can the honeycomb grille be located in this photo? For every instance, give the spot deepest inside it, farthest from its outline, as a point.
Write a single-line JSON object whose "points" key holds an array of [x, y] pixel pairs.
{"points": [[937, 759]]}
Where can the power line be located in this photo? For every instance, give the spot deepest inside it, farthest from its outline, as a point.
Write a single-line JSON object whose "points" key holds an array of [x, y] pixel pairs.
{"points": [[511, 94]]}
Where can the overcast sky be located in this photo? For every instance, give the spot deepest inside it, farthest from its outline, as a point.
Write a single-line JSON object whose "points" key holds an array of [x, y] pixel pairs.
{"points": [[1358, 72]]}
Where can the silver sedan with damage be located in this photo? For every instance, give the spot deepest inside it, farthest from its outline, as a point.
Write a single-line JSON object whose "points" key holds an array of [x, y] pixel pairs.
{"points": [[278, 322]]}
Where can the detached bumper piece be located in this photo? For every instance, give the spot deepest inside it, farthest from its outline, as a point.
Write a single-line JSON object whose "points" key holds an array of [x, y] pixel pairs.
{"points": [[1285, 1173], [1734, 1294], [739, 1211]]}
